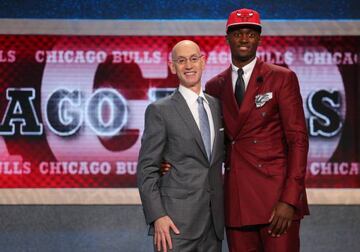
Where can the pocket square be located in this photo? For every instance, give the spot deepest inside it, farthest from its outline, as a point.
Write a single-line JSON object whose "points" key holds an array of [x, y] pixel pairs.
{"points": [[261, 99]]}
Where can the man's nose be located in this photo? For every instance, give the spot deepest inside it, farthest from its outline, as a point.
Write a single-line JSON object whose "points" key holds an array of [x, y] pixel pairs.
{"points": [[244, 38], [188, 64]]}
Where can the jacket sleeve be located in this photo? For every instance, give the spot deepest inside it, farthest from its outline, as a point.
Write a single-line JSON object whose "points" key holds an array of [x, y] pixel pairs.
{"points": [[152, 145], [293, 122]]}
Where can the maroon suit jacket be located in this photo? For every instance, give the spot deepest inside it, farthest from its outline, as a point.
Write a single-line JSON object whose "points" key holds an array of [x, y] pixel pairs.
{"points": [[268, 145]]}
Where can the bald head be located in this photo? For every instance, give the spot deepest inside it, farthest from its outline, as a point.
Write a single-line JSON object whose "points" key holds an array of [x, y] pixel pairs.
{"points": [[188, 64], [184, 45]]}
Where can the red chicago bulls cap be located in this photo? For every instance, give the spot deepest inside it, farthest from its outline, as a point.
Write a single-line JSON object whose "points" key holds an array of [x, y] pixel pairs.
{"points": [[244, 17]]}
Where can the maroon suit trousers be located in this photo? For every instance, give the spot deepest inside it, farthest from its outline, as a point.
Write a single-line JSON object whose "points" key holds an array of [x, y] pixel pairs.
{"points": [[257, 239]]}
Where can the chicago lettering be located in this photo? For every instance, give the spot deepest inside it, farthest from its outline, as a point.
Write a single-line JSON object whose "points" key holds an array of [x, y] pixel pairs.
{"points": [[20, 115], [324, 120], [343, 168], [105, 111], [327, 58], [70, 56], [75, 168], [91, 56], [87, 168]]}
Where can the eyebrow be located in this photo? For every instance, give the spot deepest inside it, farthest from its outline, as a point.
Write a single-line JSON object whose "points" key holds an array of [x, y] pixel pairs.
{"points": [[189, 56]]}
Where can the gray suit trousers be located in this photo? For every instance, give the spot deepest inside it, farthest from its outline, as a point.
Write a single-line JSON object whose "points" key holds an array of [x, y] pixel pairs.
{"points": [[207, 242]]}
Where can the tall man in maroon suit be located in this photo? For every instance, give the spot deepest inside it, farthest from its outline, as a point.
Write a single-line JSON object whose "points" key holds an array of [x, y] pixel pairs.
{"points": [[265, 196]]}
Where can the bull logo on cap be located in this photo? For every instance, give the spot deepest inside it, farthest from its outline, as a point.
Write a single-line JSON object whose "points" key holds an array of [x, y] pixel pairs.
{"points": [[244, 16]]}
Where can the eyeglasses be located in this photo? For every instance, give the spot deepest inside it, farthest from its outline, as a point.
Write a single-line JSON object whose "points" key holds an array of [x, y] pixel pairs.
{"points": [[183, 60]]}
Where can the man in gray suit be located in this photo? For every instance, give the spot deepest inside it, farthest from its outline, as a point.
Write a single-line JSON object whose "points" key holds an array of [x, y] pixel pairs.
{"points": [[184, 208]]}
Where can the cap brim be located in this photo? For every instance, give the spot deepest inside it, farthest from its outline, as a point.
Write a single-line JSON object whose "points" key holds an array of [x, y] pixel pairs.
{"points": [[251, 25]]}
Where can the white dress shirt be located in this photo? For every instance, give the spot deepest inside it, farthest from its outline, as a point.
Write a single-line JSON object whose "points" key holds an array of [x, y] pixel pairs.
{"points": [[248, 69], [191, 100]]}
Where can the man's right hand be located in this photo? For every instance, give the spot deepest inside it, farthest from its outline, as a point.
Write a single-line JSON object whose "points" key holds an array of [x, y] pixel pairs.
{"points": [[162, 233], [164, 168]]}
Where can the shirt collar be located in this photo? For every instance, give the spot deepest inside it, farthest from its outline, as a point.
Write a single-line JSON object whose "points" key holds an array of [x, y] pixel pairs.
{"points": [[190, 96], [247, 68]]}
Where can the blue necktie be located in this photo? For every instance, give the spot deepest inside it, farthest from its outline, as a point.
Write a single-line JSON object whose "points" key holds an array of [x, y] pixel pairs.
{"points": [[204, 126]]}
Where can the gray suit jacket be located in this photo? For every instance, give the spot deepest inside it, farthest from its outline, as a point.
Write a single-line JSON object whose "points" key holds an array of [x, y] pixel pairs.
{"points": [[192, 191]]}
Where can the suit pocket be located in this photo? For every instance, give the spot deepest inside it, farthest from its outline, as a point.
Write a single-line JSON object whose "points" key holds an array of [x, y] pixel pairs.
{"points": [[172, 192], [277, 168]]}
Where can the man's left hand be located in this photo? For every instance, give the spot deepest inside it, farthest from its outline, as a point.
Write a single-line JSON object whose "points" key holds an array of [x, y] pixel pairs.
{"points": [[281, 219]]}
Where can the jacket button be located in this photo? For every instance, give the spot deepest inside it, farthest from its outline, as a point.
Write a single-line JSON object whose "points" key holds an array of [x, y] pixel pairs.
{"points": [[255, 141], [259, 165], [233, 142]]}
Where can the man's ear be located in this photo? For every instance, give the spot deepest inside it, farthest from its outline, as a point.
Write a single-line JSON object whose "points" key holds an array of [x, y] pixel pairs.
{"points": [[203, 62], [172, 67], [227, 39]]}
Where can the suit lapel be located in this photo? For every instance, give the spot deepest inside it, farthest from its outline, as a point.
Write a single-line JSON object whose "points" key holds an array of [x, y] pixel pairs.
{"points": [[217, 122], [252, 90], [183, 110], [230, 102], [230, 107]]}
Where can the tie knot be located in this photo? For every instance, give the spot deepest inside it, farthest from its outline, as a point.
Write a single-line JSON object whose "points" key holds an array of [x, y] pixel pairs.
{"points": [[240, 71], [200, 100]]}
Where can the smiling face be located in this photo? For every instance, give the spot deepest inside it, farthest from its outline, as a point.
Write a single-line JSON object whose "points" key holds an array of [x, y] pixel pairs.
{"points": [[243, 42], [188, 64]]}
